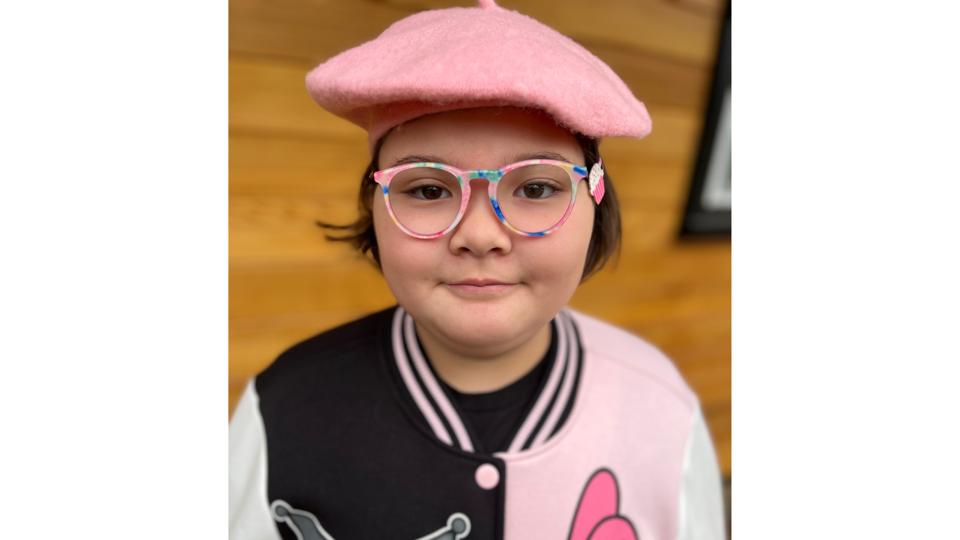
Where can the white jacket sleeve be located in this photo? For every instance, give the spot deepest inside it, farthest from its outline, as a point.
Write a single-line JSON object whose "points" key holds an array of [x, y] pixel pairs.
{"points": [[250, 517], [701, 496]]}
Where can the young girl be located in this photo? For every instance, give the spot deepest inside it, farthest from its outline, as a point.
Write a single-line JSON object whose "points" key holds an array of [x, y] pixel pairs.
{"points": [[479, 407]]}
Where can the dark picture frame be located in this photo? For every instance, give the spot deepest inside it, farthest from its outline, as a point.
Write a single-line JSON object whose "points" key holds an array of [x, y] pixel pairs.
{"points": [[709, 199]]}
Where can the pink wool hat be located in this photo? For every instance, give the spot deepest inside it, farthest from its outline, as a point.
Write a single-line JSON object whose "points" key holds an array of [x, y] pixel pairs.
{"points": [[459, 58]]}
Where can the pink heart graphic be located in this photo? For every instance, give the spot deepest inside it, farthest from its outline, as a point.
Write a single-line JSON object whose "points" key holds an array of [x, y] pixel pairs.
{"points": [[597, 516]]}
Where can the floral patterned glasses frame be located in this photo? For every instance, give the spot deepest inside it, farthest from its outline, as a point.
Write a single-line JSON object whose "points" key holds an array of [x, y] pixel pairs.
{"points": [[576, 173]]}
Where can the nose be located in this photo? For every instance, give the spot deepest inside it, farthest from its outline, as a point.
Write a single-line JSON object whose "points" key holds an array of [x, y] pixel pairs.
{"points": [[480, 232]]}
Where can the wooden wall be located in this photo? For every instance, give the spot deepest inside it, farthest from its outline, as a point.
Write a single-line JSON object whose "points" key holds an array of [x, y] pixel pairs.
{"points": [[291, 162]]}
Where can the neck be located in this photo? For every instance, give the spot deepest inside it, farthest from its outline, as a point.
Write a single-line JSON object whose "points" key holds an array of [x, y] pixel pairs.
{"points": [[471, 373]]}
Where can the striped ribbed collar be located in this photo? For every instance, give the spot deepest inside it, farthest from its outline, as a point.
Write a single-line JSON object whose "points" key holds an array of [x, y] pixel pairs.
{"points": [[550, 409]]}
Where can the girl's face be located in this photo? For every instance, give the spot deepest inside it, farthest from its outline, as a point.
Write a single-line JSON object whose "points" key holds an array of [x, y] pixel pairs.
{"points": [[482, 289]]}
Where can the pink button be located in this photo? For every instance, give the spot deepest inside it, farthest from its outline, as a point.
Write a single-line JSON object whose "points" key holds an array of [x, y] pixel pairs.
{"points": [[487, 476]]}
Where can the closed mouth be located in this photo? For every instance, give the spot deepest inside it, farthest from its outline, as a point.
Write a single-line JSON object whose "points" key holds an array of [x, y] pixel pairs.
{"points": [[480, 288], [479, 282]]}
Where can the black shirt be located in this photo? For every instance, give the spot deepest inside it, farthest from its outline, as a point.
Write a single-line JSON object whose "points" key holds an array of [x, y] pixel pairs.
{"points": [[494, 417]]}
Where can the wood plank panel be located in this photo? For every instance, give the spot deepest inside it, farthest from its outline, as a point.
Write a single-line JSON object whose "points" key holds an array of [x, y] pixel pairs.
{"points": [[271, 97], [308, 31], [314, 31], [273, 165], [654, 79], [708, 8], [679, 35]]}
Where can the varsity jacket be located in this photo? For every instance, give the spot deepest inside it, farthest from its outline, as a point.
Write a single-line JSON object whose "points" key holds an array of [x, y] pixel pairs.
{"points": [[349, 435]]}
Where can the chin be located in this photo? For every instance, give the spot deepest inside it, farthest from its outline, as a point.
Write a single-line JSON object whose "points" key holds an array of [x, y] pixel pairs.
{"points": [[482, 326]]}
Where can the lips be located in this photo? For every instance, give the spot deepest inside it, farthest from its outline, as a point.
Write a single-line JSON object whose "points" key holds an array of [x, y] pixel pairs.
{"points": [[480, 287], [480, 282]]}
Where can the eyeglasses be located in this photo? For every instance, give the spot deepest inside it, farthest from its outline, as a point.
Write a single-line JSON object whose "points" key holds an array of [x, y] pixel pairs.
{"points": [[531, 198]]}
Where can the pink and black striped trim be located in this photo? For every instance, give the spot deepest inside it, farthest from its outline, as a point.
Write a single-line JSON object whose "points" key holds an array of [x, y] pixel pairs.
{"points": [[545, 418], [558, 394]]}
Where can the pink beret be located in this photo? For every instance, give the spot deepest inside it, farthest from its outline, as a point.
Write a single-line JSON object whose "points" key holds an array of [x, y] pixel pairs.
{"points": [[458, 58]]}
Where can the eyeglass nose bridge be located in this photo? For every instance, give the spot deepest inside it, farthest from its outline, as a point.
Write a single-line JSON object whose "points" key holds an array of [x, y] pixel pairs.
{"points": [[493, 177]]}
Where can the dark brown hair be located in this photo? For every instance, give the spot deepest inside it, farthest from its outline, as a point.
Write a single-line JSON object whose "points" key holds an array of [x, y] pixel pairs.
{"points": [[604, 242]]}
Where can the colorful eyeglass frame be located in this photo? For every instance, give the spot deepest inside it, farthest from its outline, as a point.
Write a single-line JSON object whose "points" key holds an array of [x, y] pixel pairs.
{"points": [[493, 176]]}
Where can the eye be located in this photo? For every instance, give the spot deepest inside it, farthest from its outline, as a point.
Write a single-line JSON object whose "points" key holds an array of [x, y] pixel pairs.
{"points": [[429, 192], [535, 190]]}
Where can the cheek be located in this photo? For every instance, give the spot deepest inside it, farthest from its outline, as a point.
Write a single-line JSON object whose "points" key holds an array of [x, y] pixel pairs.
{"points": [[559, 259], [405, 261]]}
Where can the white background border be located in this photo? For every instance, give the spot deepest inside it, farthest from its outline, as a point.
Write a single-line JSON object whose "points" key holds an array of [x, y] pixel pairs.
{"points": [[113, 215], [845, 270], [113, 212]]}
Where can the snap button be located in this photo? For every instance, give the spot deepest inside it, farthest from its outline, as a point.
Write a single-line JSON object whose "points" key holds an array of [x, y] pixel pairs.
{"points": [[487, 476]]}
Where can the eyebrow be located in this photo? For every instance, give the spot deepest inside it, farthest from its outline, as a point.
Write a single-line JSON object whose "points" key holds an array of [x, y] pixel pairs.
{"points": [[523, 156]]}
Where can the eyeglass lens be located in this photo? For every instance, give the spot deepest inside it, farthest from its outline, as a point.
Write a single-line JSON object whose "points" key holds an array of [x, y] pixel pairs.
{"points": [[533, 198]]}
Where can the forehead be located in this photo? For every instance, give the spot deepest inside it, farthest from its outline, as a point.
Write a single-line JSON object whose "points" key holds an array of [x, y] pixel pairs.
{"points": [[481, 138]]}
